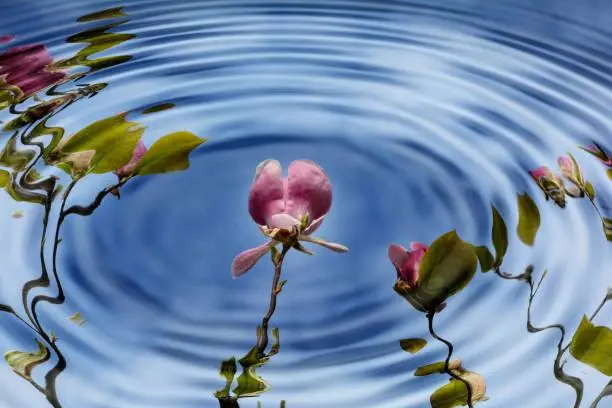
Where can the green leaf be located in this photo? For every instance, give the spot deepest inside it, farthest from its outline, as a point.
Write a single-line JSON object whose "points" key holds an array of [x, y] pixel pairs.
{"points": [[23, 363], [529, 219], [98, 39], [455, 392], [485, 258], [5, 178], [228, 368], [607, 226], [158, 108], [15, 158], [275, 343], [169, 153], [500, 237], [112, 141], [577, 172], [592, 345], [589, 190], [447, 267], [412, 346], [77, 318], [32, 176], [33, 114], [280, 286], [102, 15], [228, 371], [250, 384], [437, 368]]}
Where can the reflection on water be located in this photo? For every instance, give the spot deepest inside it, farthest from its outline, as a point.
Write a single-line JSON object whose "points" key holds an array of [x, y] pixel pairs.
{"points": [[479, 130], [105, 146]]}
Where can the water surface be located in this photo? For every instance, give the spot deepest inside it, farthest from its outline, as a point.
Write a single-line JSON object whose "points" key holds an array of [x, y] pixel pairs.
{"points": [[422, 113]]}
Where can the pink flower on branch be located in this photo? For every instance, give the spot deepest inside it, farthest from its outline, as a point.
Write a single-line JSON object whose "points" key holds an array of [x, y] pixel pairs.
{"points": [[406, 262], [28, 68], [551, 185], [288, 210], [137, 155], [598, 151]]}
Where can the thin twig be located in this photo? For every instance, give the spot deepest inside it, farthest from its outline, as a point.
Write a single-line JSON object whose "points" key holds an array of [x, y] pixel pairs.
{"points": [[574, 382], [447, 370], [607, 391], [278, 264], [59, 299], [89, 209]]}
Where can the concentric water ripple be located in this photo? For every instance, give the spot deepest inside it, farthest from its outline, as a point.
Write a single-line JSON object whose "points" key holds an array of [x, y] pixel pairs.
{"points": [[422, 113]]}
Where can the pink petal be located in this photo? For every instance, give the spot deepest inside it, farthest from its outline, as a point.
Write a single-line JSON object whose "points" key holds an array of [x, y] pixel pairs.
{"points": [[329, 245], [600, 153], [540, 172], [410, 268], [283, 221], [566, 165], [308, 190], [247, 259], [137, 155], [314, 225], [40, 81], [267, 196], [416, 246], [398, 255], [26, 67], [6, 38]]}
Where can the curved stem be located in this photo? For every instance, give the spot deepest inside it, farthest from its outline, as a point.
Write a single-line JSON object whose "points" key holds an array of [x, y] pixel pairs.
{"points": [[60, 366], [607, 391], [89, 209], [278, 264], [574, 382], [43, 279], [59, 299], [596, 208], [430, 317]]}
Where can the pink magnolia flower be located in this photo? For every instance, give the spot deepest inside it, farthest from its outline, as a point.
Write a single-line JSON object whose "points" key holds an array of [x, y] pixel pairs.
{"points": [[598, 151], [542, 172], [137, 155], [406, 262], [550, 184], [570, 170], [287, 209], [28, 68]]}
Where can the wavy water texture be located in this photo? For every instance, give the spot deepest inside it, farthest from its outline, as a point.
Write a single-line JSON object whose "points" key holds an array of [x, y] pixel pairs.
{"points": [[422, 113]]}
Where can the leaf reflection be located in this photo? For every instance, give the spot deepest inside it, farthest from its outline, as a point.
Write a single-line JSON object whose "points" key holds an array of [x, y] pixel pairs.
{"points": [[33, 143]]}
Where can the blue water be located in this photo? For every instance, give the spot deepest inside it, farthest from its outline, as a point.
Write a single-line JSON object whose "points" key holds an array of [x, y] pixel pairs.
{"points": [[422, 113]]}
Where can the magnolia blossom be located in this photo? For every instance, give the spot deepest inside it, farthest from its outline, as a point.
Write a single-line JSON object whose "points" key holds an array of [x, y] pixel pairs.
{"points": [[28, 68], [137, 155], [406, 262], [550, 184], [571, 171], [80, 162], [567, 167], [596, 150], [287, 209]]}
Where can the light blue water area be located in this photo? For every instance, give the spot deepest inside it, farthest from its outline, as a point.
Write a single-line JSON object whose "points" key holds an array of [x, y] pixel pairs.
{"points": [[423, 114]]}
